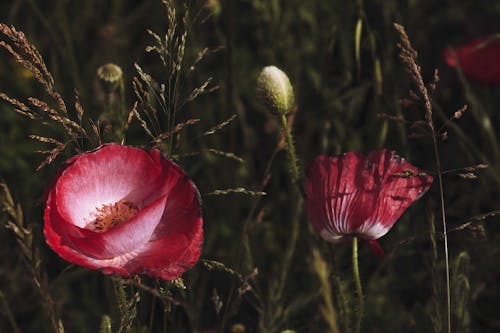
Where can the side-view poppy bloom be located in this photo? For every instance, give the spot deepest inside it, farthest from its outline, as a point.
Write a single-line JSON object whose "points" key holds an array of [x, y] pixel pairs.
{"points": [[478, 59], [126, 211], [356, 195]]}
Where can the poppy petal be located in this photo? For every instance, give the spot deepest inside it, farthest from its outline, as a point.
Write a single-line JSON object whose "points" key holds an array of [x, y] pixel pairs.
{"points": [[478, 59], [167, 259], [376, 248], [57, 241], [124, 238], [162, 238], [102, 177], [356, 195], [399, 184], [338, 201]]}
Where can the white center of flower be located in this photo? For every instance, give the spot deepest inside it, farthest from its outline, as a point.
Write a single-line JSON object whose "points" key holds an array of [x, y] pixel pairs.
{"points": [[110, 216]]}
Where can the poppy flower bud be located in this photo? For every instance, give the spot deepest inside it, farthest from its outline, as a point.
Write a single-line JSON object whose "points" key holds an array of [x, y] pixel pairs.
{"points": [[110, 76], [274, 91]]}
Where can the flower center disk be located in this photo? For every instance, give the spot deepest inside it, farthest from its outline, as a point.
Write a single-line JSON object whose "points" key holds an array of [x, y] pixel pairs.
{"points": [[110, 216]]}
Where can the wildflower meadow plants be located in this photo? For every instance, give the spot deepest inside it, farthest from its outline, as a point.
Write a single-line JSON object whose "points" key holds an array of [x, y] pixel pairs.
{"points": [[240, 166]]}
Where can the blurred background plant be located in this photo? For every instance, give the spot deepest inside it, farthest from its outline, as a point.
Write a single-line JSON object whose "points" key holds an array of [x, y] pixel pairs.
{"points": [[351, 91]]}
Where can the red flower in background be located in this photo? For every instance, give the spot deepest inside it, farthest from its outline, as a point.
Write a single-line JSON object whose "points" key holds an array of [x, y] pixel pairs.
{"points": [[126, 211], [478, 60], [353, 195]]}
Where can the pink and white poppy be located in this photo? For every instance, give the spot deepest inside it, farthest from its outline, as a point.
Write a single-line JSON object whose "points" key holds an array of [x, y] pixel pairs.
{"points": [[478, 59], [353, 195], [126, 211]]}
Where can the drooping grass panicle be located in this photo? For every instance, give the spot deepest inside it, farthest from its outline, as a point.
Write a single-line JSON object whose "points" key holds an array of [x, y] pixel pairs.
{"points": [[127, 300], [219, 266], [408, 56], [168, 96], [147, 111], [27, 55], [204, 88], [238, 190], [162, 294], [227, 155], [474, 221], [219, 126], [31, 253], [51, 153], [178, 128]]}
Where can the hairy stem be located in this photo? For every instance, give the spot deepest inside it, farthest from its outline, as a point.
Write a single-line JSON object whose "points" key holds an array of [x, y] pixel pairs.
{"points": [[275, 294], [294, 170], [290, 148]]}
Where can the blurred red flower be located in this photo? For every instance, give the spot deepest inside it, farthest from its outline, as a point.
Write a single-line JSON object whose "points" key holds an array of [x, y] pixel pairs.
{"points": [[353, 195], [126, 211], [478, 60]]}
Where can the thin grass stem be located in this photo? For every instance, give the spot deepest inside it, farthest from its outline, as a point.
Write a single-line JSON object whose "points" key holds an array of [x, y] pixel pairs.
{"points": [[445, 233], [8, 312]]}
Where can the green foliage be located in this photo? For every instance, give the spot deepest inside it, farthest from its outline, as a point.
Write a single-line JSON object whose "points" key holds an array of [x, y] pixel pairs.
{"points": [[190, 71]]}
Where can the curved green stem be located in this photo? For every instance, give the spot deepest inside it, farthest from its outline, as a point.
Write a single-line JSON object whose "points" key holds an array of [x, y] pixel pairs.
{"points": [[357, 281]]}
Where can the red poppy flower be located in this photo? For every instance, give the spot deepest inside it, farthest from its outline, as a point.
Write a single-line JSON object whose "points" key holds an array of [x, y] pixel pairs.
{"points": [[353, 195], [478, 60], [126, 211]]}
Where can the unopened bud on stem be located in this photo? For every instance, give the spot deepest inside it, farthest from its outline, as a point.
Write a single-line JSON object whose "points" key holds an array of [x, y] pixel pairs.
{"points": [[274, 90], [110, 76]]}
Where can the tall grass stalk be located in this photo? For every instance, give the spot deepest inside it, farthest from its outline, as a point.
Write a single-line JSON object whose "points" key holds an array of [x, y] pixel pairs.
{"points": [[408, 55]]}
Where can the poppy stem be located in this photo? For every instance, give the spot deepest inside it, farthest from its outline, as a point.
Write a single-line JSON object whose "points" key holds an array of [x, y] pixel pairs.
{"points": [[290, 148], [357, 281], [294, 170]]}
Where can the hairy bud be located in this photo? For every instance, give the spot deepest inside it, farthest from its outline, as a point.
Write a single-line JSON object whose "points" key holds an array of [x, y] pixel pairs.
{"points": [[274, 90], [110, 76]]}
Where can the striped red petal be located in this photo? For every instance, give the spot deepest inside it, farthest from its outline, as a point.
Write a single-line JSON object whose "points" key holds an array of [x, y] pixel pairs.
{"points": [[352, 194]]}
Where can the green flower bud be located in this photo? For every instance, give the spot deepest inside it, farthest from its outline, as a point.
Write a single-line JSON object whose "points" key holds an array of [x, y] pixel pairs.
{"points": [[110, 76], [274, 90], [214, 6], [238, 328]]}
